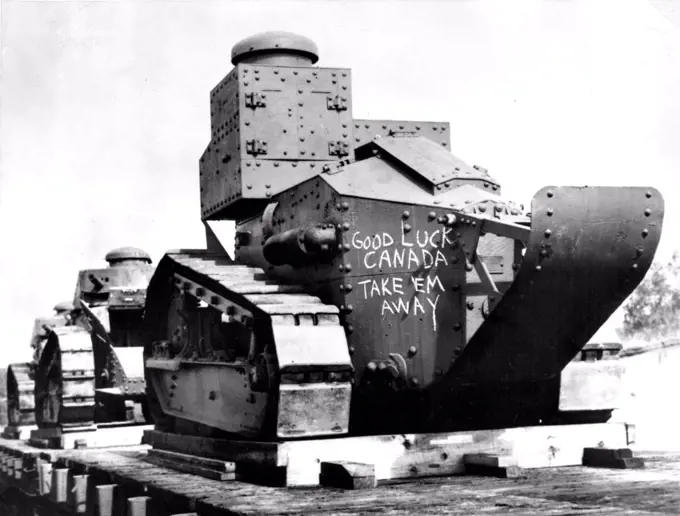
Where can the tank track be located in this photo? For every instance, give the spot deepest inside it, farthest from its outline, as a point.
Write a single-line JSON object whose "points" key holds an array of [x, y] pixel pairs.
{"points": [[244, 292], [65, 383]]}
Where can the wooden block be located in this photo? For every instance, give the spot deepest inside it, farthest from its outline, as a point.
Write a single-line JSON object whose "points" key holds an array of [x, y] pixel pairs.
{"points": [[619, 458], [488, 459], [347, 475]]}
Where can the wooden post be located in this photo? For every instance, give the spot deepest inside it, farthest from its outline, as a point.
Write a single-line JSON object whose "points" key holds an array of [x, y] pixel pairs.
{"points": [[137, 505], [105, 499], [45, 478], [60, 485], [79, 491]]}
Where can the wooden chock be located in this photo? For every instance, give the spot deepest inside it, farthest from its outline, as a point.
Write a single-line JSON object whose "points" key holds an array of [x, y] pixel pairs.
{"points": [[490, 465], [347, 475], [59, 489], [619, 458]]}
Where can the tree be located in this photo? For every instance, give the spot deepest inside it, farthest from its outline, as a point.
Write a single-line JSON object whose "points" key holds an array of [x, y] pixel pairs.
{"points": [[653, 309]]}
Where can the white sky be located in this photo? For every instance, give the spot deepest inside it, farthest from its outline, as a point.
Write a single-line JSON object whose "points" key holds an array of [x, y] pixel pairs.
{"points": [[105, 110]]}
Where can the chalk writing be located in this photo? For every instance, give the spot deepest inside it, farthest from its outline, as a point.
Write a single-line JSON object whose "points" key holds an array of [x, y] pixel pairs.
{"points": [[420, 252]]}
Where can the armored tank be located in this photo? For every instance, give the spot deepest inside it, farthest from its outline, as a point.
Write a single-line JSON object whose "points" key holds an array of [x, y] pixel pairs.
{"points": [[379, 283], [91, 371]]}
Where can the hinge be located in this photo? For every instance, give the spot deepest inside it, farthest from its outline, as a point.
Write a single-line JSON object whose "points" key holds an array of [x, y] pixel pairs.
{"points": [[255, 100], [256, 147], [397, 134], [336, 103], [338, 148]]}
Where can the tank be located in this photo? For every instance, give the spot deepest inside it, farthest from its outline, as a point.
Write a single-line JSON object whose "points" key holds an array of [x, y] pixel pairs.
{"points": [[21, 376], [379, 283], [90, 371]]}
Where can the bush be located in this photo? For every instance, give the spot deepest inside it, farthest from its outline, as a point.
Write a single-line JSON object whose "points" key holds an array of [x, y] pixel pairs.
{"points": [[653, 309]]}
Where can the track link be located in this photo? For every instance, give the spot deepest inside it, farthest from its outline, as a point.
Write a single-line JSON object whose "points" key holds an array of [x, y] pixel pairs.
{"points": [[248, 289]]}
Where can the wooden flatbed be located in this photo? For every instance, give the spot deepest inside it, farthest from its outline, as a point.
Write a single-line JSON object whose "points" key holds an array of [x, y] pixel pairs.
{"points": [[573, 490]]}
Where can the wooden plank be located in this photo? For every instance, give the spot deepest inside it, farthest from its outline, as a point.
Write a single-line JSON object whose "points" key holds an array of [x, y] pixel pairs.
{"points": [[218, 465], [194, 469]]}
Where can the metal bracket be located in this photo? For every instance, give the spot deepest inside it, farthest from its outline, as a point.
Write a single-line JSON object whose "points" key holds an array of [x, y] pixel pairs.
{"points": [[256, 147], [255, 100], [336, 103], [338, 148]]}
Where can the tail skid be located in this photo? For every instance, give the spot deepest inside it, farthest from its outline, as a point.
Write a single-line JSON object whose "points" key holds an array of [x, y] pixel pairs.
{"points": [[588, 249]]}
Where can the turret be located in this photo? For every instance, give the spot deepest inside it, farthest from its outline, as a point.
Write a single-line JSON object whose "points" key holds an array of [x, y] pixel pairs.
{"points": [[276, 121], [127, 257]]}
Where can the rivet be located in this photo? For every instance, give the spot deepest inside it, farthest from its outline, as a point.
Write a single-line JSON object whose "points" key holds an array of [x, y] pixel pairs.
{"points": [[648, 195], [348, 287], [455, 287], [349, 328], [267, 186], [482, 208], [269, 194], [345, 226], [348, 267], [249, 187], [468, 267], [345, 205], [346, 247], [341, 267], [456, 327], [337, 206], [351, 350], [470, 305], [412, 350], [415, 381], [550, 194], [639, 251], [406, 214], [538, 267], [407, 228], [550, 212], [634, 266], [648, 212], [432, 215], [372, 366], [645, 232]]}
